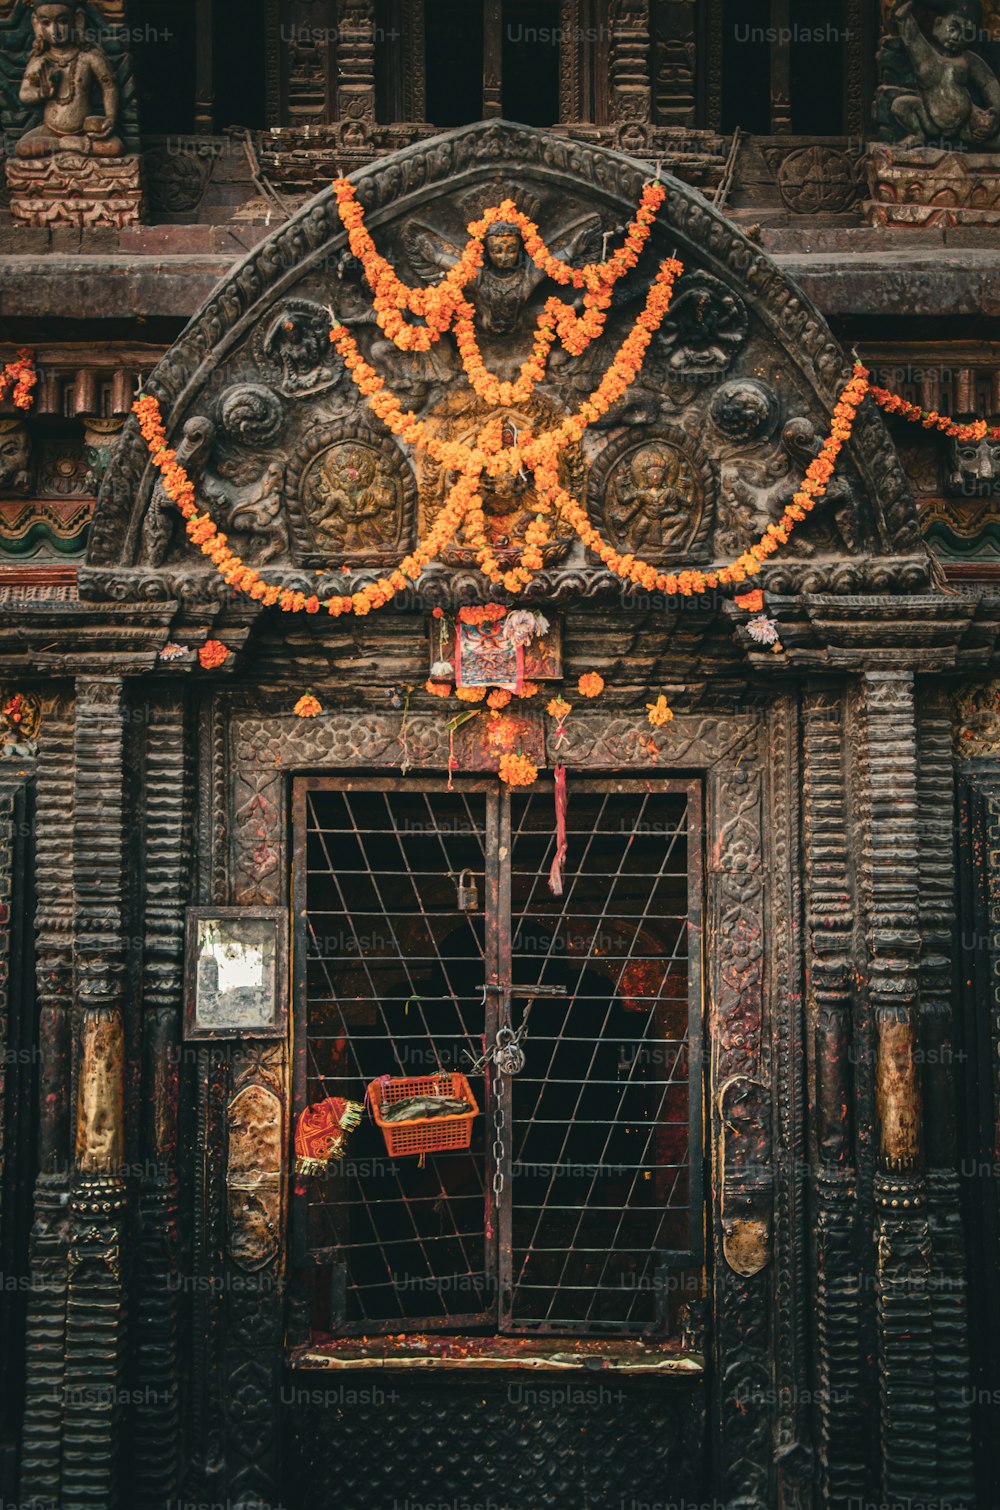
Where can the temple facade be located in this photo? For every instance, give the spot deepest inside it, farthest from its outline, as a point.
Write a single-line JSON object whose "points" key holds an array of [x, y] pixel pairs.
{"points": [[499, 980]]}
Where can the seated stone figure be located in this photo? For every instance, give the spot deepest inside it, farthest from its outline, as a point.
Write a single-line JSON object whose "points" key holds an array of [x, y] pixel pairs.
{"points": [[65, 75], [958, 97]]}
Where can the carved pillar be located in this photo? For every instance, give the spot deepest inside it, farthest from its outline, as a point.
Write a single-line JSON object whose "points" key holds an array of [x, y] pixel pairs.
{"points": [[630, 93], [948, 1290], [154, 1339], [840, 1301], [355, 51], [95, 1310], [41, 1451], [887, 782]]}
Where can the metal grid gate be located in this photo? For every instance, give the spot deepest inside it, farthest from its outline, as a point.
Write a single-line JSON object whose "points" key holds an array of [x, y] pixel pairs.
{"points": [[580, 1195]]}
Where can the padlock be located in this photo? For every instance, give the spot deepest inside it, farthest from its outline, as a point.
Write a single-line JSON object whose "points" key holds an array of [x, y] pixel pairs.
{"points": [[510, 1059], [468, 896]]}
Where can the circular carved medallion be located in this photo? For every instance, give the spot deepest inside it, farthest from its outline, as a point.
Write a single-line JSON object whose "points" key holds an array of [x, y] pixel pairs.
{"points": [[654, 495], [817, 178], [351, 498], [745, 409]]}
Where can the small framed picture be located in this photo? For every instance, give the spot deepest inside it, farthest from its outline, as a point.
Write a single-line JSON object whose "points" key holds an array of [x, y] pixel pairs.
{"points": [[236, 968]]}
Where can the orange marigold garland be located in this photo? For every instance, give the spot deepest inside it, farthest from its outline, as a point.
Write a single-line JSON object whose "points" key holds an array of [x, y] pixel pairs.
{"points": [[21, 375], [975, 430]]}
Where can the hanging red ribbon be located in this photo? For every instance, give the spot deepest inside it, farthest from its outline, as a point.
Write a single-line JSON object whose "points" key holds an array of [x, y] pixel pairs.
{"points": [[556, 873]]}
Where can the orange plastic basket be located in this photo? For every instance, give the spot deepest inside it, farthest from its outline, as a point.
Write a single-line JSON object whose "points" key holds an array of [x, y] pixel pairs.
{"points": [[423, 1134]]}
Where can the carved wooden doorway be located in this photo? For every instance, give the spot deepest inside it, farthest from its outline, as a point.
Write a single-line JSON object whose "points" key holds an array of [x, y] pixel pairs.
{"points": [[425, 923]]}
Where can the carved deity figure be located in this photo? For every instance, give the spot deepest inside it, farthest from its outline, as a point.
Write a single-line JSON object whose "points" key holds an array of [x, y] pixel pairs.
{"points": [[507, 278], [647, 508], [65, 75], [958, 95]]}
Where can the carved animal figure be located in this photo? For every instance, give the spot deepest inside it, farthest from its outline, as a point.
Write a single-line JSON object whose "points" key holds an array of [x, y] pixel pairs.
{"points": [[161, 517]]}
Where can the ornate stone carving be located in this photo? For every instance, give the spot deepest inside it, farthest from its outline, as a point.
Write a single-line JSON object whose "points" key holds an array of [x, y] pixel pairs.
{"points": [[161, 518], [977, 721], [20, 721], [294, 347], [654, 495], [251, 414], [351, 496], [267, 324], [817, 180], [76, 190]]}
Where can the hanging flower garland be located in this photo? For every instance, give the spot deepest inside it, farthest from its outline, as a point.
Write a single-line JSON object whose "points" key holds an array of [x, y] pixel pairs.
{"points": [[975, 430], [21, 375]]}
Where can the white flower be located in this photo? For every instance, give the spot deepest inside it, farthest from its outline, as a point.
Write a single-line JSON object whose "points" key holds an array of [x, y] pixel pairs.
{"points": [[763, 630]]}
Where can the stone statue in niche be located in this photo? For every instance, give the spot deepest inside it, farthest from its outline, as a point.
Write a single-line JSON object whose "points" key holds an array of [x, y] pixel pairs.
{"points": [[973, 468], [351, 496], [66, 75], [15, 457], [295, 347], [158, 527]]}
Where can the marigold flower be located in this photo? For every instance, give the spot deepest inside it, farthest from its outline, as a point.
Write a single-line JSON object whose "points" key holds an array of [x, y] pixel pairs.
{"points": [[753, 602], [470, 694], [212, 654], [438, 689], [659, 712], [558, 707], [498, 698], [308, 706], [517, 770], [591, 684]]}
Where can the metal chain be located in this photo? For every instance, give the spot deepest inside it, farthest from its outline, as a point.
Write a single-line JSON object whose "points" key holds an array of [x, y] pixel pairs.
{"points": [[498, 1125]]}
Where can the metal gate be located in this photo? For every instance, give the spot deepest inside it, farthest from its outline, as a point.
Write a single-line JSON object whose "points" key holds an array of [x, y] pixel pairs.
{"points": [[425, 924]]}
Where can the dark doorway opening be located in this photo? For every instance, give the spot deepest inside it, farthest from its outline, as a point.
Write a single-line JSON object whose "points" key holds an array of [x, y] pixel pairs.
{"points": [[454, 40], [530, 61]]}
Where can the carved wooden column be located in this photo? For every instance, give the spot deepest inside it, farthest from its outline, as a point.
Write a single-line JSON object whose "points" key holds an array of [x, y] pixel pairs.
{"points": [[630, 94], [154, 1339], [887, 785], [95, 1311], [355, 52], [840, 1301], [949, 1290], [41, 1450]]}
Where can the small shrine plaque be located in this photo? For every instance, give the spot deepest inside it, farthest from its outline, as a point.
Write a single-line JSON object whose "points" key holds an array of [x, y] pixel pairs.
{"points": [[237, 972]]}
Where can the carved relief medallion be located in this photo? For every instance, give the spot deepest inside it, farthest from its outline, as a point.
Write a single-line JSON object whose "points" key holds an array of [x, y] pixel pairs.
{"points": [[654, 495], [351, 496]]}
